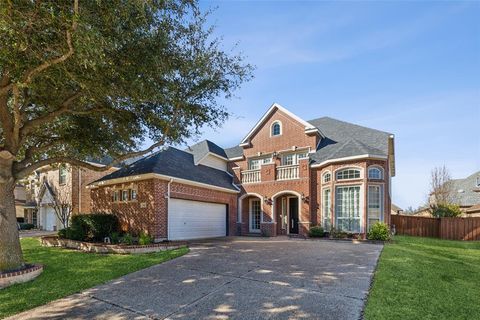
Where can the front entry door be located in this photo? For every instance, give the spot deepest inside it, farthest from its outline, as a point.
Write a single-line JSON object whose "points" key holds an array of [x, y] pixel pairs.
{"points": [[255, 215], [293, 215]]}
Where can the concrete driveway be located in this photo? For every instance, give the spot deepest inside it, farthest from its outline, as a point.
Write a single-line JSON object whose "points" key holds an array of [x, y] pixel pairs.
{"points": [[239, 278]]}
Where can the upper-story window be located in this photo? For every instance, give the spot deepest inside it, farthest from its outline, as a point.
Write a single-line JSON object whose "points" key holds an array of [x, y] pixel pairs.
{"points": [[62, 175], [375, 173], [254, 164], [276, 128], [349, 173], [293, 158], [327, 176], [478, 182]]}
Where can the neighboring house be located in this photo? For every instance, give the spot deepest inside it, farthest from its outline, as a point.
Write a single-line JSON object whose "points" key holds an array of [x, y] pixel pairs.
{"points": [[396, 209], [22, 203], [65, 183], [286, 175], [467, 194]]}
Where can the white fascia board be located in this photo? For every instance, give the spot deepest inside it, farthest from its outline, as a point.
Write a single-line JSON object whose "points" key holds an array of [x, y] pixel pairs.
{"points": [[308, 126], [162, 177], [236, 158], [363, 156]]}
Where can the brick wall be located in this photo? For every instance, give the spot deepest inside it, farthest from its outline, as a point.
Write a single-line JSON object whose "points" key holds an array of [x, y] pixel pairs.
{"points": [[149, 212]]}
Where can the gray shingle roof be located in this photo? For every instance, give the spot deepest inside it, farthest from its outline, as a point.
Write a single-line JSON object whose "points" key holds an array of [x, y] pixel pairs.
{"points": [[345, 139], [468, 196], [175, 163], [201, 149], [234, 152]]}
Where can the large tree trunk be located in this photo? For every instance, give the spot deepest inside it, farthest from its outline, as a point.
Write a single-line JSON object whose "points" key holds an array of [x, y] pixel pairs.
{"points": [[10, 250]]}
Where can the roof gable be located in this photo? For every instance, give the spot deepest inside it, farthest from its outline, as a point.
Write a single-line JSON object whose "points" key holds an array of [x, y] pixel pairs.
{"points": [[309, 128]]}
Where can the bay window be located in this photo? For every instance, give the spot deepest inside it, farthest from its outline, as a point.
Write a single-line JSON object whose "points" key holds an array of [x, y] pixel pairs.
{"points": [[375, 204], [326, 203]]}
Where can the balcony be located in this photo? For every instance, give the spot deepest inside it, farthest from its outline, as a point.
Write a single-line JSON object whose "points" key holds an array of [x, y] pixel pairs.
{"points": [[288, 172], [251, 176]]}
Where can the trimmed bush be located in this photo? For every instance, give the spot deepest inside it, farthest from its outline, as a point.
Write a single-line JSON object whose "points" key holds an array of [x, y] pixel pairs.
{"points": [[316, 232], [379, 231], [127, 239], [446, 210], [26, 226], [337, 234], [62, 233], [145, 238], [75, 233], [96, 226], [115, 237]]}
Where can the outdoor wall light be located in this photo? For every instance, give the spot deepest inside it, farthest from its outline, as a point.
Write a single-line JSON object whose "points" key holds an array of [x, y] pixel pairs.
{"points": [[267, 200], [305, 199]]}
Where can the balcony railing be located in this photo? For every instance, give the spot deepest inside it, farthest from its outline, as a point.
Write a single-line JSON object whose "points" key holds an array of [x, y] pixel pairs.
{"points": [[288, 172], [251, 176]]}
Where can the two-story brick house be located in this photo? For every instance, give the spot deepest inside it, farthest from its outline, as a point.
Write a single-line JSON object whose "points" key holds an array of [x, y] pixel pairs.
{"points": [[286, 175], [65, 184]]}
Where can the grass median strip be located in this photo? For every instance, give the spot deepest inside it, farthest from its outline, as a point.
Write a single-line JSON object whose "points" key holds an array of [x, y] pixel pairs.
{"points": [[426, 278], [68, 271]]}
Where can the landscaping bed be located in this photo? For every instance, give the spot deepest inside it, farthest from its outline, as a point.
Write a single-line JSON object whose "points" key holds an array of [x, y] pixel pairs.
{"points": [[70, 271], [27, 273], [55, 241]]}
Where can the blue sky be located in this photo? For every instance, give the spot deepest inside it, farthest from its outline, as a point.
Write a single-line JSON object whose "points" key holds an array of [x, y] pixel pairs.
{"points": [[409, 68]]}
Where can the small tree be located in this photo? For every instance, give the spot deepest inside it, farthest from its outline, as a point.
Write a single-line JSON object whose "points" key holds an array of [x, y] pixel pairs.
{"points": [[62, 204], [442, 194]]}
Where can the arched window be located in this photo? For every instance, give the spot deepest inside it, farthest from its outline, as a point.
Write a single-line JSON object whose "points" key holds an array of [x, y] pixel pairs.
{"points": [[276, 128], [327, 176], [350, 173], [375, 173]]}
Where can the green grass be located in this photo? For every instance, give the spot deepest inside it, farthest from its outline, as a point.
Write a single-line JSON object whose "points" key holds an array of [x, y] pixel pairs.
{"points": [[69, 271], [425, 278]]}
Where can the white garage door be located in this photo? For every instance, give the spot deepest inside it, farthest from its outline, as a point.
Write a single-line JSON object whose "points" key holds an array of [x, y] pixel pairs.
{"points": [[50, 219], [194, 220]]}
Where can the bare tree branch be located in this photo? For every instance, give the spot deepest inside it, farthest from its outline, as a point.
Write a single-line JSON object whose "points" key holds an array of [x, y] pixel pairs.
{"points": [[64, 108]]}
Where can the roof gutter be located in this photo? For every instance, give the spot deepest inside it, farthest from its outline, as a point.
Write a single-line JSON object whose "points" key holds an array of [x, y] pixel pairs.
{"points": [[363, 156]]}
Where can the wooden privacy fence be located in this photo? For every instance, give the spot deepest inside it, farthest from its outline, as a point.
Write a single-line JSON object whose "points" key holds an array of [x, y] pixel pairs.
{"points": [[444, 228]]}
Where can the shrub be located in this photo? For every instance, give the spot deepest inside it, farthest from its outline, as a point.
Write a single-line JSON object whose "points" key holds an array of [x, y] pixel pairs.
{"points": [[446, 210], [75, 233], [96, 226], [144, 238], [379, 231], [127, 239], [26, 226], [115, 237], [338, 234], [316, 232], [62, 233]]}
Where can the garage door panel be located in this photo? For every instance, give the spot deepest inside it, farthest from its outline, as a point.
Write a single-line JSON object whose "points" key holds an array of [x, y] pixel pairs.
{"points": [[194, 220]]}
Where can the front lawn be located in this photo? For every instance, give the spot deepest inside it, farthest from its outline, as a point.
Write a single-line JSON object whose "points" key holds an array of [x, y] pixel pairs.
{"points": [[68, 271], [425, 278]]}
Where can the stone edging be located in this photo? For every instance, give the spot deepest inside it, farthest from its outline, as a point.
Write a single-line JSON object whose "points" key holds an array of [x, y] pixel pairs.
{"points": [[20, 276], [349, 240], [110, 248]]}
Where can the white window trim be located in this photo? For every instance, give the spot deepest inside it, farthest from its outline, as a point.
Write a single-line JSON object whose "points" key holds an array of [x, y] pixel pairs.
{"points": [[382, 202], [329, 209], [271, 128], [346, 168], [382, 173], [361, 204], [324, 174]]}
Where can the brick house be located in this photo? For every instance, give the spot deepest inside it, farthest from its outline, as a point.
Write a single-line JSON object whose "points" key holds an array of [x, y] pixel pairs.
{"points": [[286, 175], [66, 183]]}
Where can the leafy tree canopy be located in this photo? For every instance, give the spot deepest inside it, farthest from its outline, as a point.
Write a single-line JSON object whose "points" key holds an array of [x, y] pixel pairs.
{"points": [[95, 78]]}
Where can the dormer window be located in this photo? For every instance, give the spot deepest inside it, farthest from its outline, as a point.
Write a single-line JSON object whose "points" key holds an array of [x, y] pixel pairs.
{"points": [[478, 182], [276, 128]]}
